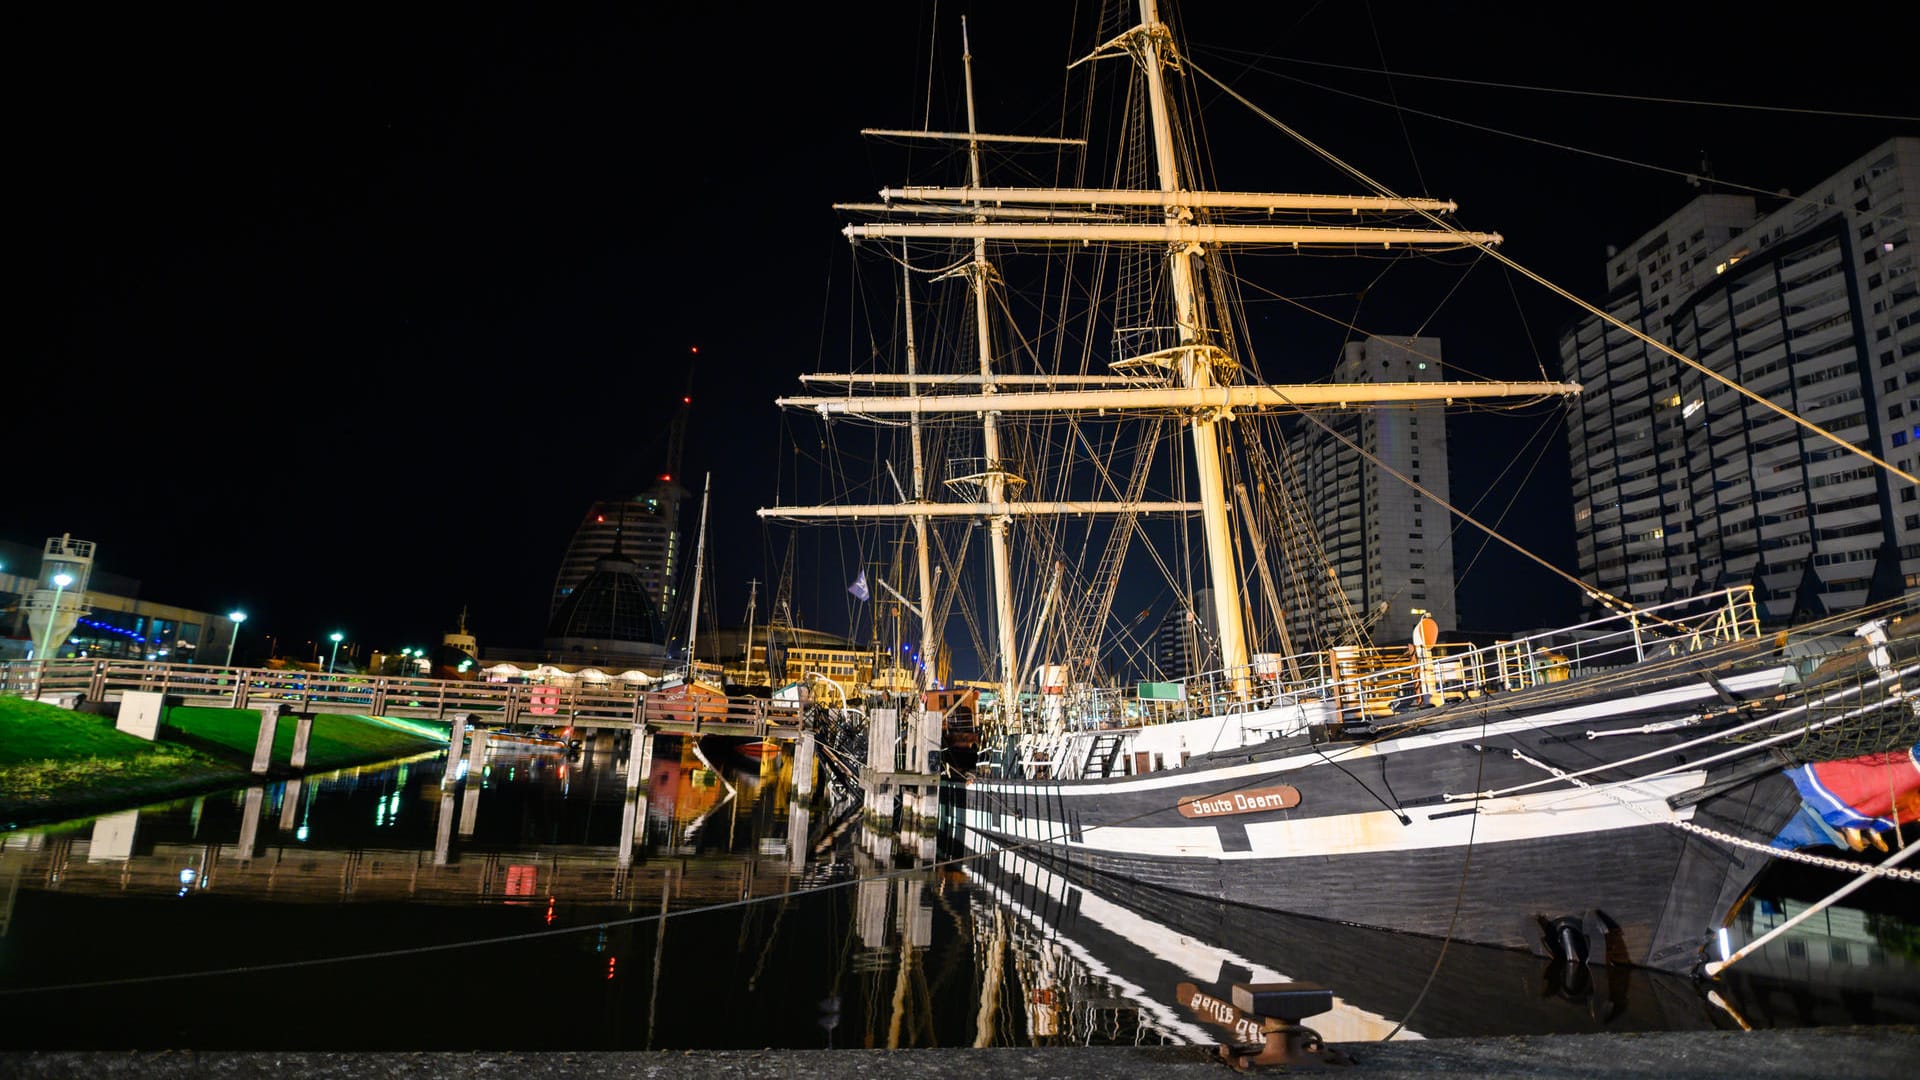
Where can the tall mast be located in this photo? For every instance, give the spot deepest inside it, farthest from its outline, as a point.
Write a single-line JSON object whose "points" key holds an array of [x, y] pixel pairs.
{"points": [[1195, 368], [979, 273], [699, 566], [753, 593], [928, 647]]}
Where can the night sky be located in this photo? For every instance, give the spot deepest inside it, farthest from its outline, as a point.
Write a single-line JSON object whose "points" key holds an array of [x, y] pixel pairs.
{"points": [[344, 315]]}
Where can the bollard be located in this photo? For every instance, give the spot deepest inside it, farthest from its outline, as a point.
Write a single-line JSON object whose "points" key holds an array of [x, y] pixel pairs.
{"points": [[263, 745], [1278, 1009], [302, 731]]}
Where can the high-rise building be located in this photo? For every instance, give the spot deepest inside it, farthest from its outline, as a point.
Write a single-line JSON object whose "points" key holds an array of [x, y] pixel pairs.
{"points": [[1681, 482], [645, 528], [1380, 550], [1186, 642]]}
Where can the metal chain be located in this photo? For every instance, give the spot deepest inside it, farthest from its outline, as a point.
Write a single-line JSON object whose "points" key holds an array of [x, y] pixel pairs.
{"points": [[1812, 860], [1737, 841]]}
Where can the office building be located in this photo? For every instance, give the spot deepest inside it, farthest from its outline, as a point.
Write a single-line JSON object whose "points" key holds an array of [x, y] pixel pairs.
{"points": [[1374, 550], [1682, 481]]}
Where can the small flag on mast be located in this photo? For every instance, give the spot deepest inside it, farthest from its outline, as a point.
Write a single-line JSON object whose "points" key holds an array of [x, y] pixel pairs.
{"points": [[859, 586]]}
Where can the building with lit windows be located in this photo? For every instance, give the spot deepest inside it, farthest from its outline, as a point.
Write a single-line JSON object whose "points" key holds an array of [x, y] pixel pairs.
{"points": [[1186, 642], [1681, 483], [110, 621], [1377, 549], [645, 527]]}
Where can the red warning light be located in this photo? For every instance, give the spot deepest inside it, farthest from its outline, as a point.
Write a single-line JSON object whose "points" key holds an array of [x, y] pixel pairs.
{"points": [[600, 519], [686, 401], [666, 478]]}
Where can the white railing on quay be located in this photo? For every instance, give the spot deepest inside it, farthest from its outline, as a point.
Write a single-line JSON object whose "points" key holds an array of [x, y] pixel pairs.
{"points": [[602, 705]]}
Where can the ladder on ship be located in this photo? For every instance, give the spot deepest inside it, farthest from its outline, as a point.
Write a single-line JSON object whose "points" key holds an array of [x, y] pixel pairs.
{"points": [[1102, 756]]}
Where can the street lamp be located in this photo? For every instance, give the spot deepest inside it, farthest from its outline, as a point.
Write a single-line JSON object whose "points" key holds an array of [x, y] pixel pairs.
{"points": [[238, 617], [60, 583], [336, 637]]}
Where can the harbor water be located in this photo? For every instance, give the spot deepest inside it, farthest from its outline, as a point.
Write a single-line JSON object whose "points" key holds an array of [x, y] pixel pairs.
{"points": [[542, 904]]}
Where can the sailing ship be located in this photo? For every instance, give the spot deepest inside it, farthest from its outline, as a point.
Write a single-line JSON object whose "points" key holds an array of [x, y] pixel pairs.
{"points": [[1606, 792]]}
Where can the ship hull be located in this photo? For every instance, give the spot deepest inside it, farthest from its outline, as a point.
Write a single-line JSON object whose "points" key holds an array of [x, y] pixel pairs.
{"points": [[1646, 863]]}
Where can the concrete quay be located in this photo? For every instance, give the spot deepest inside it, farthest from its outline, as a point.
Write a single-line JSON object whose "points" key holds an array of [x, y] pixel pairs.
{"points": [[1857, 1053]]}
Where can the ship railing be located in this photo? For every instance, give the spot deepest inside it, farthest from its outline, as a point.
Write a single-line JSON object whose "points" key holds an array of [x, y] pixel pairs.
{"points": [[1362, 683]]}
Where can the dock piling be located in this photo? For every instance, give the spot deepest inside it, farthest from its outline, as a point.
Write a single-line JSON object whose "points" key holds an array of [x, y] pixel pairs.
{"points": [[263, 744]]}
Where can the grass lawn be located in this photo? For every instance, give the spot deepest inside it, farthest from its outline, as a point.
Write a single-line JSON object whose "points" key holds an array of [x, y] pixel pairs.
{"points": [[336, 742], [56, 763], [53, 759]]}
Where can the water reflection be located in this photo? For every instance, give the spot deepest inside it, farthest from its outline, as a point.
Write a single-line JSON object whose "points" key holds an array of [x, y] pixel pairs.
{"points": [[821, 915]]}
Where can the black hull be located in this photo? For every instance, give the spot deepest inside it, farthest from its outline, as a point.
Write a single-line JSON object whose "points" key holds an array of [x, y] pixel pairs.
{"points": [[1643, 890], [1650, 896]]}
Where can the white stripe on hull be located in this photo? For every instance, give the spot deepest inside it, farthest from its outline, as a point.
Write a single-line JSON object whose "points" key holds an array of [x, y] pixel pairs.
{"points": [[1620, 706], [1533, 816]]}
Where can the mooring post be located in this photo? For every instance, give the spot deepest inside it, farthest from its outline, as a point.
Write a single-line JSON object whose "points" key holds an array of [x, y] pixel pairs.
{"points": [[250, 821], [640, 759], [803, 766], [263, 744], [470, 807], [476, 754], [454, 747], [302, 731], [443, 829], [289, 805]]}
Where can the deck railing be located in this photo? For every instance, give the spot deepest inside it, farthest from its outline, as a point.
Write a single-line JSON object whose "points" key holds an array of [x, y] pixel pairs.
{"points": [[1361, 683]]}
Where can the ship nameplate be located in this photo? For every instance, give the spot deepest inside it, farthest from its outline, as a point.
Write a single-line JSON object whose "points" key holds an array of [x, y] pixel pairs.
{"points": [[1248, 801]]}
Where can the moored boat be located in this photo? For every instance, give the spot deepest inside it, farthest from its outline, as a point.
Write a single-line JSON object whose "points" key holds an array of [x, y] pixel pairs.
{"points": [[1606, 791]]}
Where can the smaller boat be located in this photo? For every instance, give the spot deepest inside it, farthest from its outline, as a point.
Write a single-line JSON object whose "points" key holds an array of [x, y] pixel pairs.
{"points": [[532, 740]]}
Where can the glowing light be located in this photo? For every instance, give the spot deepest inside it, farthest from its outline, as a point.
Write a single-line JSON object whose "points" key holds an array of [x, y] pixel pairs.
{"points": [[187, 876]]}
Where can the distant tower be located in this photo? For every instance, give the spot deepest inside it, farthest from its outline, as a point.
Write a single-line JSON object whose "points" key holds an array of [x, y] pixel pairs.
{"points": [[644, 527], [65, 567]]}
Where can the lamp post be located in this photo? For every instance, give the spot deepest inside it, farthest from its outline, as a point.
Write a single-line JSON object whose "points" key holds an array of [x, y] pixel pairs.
{"points": [[336, 637], [238, 617], [60, 583]]}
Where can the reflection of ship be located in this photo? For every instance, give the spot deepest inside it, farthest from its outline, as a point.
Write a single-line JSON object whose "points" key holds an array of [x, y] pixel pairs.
{"points": [[1844, 965], [1141, 943]]}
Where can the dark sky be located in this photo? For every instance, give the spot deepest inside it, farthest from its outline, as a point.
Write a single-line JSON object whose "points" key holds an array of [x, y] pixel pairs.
{"points": [[345, 314]]}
